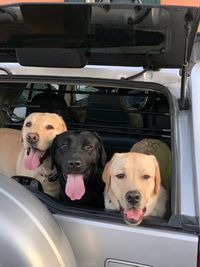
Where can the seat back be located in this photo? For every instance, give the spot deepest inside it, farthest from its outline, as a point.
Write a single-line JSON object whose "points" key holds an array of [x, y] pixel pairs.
{"points": [[48, 102], [111, 110]]}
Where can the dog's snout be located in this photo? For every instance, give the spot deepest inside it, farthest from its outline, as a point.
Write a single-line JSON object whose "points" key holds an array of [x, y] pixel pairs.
{"points": [[133, 197], [74, 163], [32, 138]]}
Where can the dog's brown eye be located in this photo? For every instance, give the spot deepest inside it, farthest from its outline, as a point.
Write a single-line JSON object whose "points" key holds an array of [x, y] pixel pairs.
{"points": [[146, 176], [120, 175], [28, 124], [64, 146], [49, 127], [88, 147]]}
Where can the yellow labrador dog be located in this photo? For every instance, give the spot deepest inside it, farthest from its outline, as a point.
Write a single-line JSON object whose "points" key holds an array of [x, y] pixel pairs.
{"points": [[133, 185], [26, 152]]}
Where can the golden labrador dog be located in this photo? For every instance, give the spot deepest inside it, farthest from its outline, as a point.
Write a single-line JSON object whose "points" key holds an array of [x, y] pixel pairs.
{"points": [[133, 185], [26, 152]]}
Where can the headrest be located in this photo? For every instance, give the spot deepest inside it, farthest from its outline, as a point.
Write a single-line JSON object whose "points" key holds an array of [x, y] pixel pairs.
{"points": [[48, 102]]}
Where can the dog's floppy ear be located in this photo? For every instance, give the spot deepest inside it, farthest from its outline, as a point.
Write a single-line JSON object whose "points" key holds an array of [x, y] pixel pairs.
{"points": [[157, 175], [21, 139], [64, 126], [52, 153], [106, 175], [103, 156], [112, 199]]}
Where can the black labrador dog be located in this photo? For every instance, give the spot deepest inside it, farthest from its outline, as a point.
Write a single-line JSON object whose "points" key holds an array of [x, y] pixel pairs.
{"points": [[79, 157]]}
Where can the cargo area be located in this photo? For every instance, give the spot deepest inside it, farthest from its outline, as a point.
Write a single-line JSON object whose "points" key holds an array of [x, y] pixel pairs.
{"points": [[121, 116]]}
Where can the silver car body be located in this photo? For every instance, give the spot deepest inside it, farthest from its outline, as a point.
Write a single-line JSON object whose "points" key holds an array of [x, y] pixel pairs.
{"points": [[30, 235]]}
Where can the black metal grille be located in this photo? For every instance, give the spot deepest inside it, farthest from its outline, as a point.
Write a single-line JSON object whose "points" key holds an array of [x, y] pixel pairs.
{"points": [[120, 116]]}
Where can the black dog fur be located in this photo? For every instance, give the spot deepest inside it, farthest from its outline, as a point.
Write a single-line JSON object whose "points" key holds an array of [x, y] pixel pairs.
{"points": [[81, 155]]}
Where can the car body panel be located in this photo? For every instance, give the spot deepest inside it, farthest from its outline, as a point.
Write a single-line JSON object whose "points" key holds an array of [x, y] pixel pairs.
{"points": [[194, 95], [168, 76], [134, 245]]}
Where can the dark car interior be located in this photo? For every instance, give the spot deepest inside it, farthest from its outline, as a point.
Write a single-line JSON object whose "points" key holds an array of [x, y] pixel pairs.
{"points": [[121, 117]]}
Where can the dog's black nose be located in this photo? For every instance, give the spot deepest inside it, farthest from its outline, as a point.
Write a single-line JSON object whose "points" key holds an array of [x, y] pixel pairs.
{"points": [[74, 163], [133, 197], [32, 138]]}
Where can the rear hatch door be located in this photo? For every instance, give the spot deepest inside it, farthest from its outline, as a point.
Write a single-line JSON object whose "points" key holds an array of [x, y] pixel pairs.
{"points": [[100, 34]]}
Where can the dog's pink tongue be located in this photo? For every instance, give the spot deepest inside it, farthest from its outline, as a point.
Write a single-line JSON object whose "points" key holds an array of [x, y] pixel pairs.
{"points": [[32, 160], [75, 187], [134, 214]]}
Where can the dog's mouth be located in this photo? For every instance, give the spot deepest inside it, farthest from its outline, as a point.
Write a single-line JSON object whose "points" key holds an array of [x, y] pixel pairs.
{"points": [[74, 186], [34, 157], [134, 216]]}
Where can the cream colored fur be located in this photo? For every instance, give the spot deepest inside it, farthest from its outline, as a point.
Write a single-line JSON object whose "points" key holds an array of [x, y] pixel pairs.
{"points": [[13, 147], [134, 166]]}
